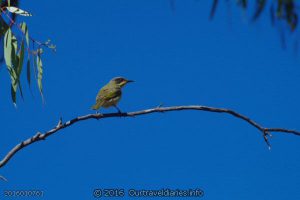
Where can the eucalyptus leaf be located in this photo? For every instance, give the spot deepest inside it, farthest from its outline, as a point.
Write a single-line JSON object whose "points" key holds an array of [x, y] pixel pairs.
{"points": [[25, 31], [14, 96], [28, 71], [10, 58], [21, 58], [18, 11], [8, 47], [40, 73]]}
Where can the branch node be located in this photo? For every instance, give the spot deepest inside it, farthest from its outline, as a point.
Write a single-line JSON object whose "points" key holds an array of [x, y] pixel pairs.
{"points": [[266, 134], [98, 115], [39, 136], [160, 105], [158, 108], [59, 123]]}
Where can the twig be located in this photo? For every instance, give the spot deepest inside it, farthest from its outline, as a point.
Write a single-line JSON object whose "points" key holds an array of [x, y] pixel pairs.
{"points": [[40, 44], [3, 178], [42, 136]]}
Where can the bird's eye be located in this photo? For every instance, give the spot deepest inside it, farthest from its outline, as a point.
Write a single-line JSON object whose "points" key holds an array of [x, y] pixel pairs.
{"points": [[119, 80]]}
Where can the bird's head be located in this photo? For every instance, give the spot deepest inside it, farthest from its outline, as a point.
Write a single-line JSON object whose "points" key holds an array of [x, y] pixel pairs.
{"points": [[120, 81]]}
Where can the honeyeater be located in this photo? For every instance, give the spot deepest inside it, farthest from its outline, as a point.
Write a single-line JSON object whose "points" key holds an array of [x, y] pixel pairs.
{"points": [[110, 94]]}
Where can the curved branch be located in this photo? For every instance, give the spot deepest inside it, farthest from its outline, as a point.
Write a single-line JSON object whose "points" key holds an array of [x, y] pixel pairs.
{"points": [[266, 132]]}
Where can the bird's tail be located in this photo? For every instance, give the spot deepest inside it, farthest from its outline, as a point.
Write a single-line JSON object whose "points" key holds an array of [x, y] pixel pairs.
{"points": [[96, 106]]}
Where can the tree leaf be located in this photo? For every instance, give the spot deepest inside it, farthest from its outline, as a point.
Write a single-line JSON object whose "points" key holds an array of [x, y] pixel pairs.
{"points": [[28, 71], [21, 58], [3, 27], [272, 15], [10, 58], [14, 55], [260, 5], [40, 73], [20, 67], [13, 95], [25, 31], [213, 9], [18, 11], [20, 89], [8, 47], [242, 3]]}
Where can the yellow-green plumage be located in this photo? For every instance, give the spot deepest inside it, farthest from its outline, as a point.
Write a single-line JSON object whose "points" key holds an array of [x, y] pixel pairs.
{"points": [[110, 94]]}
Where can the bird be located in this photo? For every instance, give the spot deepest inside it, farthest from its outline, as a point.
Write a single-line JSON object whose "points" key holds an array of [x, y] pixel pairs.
{"points": [[110, 94]]}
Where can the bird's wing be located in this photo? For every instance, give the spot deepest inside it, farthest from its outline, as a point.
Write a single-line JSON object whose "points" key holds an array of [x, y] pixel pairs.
{"points": [[107, 93]]}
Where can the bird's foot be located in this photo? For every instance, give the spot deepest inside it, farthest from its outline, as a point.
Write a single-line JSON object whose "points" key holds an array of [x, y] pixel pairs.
{"points": [[119, 111], [98, 113]]}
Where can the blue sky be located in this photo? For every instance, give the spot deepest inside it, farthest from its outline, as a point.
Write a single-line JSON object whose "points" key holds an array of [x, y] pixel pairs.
{"points": [[176, 58]]}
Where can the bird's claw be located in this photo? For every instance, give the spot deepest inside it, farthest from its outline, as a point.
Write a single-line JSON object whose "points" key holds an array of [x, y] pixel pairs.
{"points": [[119, 111]]}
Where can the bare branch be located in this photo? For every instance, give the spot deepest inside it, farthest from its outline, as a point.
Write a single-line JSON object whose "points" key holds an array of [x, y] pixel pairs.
{"points": [[42, 136], [3, 178]]}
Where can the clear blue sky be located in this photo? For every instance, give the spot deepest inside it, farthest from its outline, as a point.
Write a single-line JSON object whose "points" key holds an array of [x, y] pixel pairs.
{"points": [[176, 58]]}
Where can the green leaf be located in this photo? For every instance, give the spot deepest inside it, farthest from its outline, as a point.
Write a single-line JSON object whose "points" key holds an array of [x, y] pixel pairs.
{"points": [[18, 11], [10, 58], [213, 8], [28, 71], [25, 31], [14, 43], [14, 58], [243, 3], [13, 95], [3, 26], [40, 73], [8, 47], [260, 5], [20, 67], [21, 58], [20, 89]]}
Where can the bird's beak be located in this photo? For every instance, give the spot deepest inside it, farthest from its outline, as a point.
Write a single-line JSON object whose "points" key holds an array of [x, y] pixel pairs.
{"points": [[130, 81]]}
